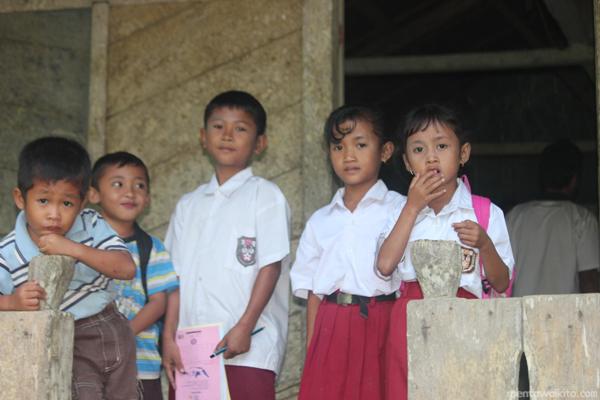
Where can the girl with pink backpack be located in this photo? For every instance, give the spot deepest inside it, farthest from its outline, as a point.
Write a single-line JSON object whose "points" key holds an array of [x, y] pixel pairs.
{"points": [[439, 206]]}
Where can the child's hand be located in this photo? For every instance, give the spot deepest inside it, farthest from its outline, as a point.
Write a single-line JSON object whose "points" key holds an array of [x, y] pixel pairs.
{"points": [[171, 359], [471, 234], [422, 190], [27, 297], [53, 244], [237, 341]]}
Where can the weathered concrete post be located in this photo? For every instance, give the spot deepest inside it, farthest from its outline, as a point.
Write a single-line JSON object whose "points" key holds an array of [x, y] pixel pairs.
{"points": [[53, 273], [37, 346], [438, 264], [561, 338]]}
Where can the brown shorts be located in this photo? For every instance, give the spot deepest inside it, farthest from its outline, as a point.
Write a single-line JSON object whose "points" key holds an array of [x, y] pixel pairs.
{"points": [[104, 358]]}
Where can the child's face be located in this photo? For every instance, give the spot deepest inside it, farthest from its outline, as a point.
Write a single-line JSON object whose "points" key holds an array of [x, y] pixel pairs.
{"points": [[356, 159], [230, 138], [438, 149], [50, 207], [122, 194]]}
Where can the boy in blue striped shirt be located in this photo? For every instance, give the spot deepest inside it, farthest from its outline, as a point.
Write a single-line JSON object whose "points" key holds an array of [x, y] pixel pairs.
{"points": [[52, 183], [121, 186]]}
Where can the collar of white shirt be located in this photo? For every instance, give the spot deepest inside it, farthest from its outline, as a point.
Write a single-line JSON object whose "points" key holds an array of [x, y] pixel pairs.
{"points": [[460, 199], [231, 185], [377, 192]]}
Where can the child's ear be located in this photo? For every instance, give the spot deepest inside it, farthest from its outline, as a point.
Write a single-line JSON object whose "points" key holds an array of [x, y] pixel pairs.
{"points": [[93, 196], [387, 151], [261, 144], [18, 198], [465, 153], [203, 137]]}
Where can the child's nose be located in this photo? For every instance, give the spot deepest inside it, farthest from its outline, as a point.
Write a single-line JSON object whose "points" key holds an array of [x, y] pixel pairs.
{"points": [[53, 213], [228, 133], [348, 153]]}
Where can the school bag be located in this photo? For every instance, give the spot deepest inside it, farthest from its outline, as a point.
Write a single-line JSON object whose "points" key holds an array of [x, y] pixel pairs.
{"points": [[144, 244], [481, 207]]}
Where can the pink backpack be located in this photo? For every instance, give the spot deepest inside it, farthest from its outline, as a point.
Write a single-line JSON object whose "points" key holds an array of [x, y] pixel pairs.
{"points": [[481, 206]]}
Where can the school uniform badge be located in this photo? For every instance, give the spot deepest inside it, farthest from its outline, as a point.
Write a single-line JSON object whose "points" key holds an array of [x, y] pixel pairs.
{"points": [[246, 250]]}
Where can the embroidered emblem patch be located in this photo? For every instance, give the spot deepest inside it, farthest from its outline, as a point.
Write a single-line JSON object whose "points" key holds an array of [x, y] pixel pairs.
{"points": [[469, 260], [246, 250]]}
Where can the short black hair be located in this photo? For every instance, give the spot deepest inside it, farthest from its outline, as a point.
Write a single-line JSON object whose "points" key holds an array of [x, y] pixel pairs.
{"points": [[351, 115], [560, 162], [419, 119], [119, 159], [53, 159], [241, 100]]}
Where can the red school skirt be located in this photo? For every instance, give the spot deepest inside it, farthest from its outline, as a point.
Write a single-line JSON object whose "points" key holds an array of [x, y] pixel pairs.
{"points": [[396, 359], [345, 358]]}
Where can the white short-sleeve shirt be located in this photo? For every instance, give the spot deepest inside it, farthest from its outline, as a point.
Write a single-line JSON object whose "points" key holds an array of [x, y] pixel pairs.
{"points": [[439, 227], [553, 241], [338, 248], [219, 238]]}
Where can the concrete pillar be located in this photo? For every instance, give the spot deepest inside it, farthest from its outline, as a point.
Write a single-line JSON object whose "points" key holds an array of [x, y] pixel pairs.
{"points": [[463, 349], [96, 137], [37, 355], [561, 338]]}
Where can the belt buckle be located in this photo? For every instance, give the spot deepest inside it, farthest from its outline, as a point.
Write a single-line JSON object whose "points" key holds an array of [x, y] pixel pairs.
{"points": [[344, 298]]}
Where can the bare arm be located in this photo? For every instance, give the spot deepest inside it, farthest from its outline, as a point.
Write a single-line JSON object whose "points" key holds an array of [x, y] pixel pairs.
{"points": [[171, 358], [113, 264], [393, 247], [150, 313], [496, 271], [422, 190], [238, 339], [312, 307]]}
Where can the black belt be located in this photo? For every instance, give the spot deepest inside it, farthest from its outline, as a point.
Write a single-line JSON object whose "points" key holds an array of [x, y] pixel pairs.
{"points": [[346, 299]]}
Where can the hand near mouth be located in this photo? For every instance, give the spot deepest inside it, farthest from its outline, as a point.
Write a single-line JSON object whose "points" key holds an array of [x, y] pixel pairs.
{"points": [[423, 189], [54, 244]]}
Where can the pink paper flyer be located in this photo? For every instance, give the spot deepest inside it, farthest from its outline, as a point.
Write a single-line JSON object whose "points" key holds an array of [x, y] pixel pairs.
{"points": [[204, 377]]}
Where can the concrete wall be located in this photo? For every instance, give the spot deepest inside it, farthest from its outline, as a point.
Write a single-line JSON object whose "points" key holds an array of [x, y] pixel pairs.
{"points": [[161, 62], [166, 61], [44, 59]]}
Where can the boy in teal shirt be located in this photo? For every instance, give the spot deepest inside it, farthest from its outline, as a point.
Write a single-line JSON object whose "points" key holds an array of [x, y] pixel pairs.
{"points": [[121, 186]]}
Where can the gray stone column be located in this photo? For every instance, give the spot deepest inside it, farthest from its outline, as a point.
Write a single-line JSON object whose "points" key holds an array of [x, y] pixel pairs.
{"points": [[322, 81], [37, 355], [96, 140]]}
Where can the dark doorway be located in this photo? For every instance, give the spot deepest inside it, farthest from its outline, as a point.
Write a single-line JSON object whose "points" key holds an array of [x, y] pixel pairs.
{"points": [[520, 73]]}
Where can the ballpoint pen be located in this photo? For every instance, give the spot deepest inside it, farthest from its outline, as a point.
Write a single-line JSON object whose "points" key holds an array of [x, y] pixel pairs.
{"points": [[224, 348]]}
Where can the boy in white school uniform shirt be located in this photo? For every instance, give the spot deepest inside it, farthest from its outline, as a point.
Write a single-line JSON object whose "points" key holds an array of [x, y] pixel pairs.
{"points": [[229, 242]]}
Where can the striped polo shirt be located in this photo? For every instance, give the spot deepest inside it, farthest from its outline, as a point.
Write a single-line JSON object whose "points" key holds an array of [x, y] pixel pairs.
{"points": [[160, 277], [90, 291]]}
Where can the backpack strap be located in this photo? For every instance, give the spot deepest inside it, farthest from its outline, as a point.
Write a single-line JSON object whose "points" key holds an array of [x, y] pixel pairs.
{"points": [[144, 243], [481, 207]]}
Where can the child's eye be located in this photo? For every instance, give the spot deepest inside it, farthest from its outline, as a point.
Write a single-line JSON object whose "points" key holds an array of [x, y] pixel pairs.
{"points": [[117, 184], [42, 201], [361, 145], [68, 204], [216, 126], [442, 146], [336, 147], [240, 129], [418, 149], [140, 186]]}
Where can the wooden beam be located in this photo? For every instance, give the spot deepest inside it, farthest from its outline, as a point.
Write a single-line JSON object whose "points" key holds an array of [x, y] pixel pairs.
{"points": [[10, 6], [574, 55], [523, 148]]}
